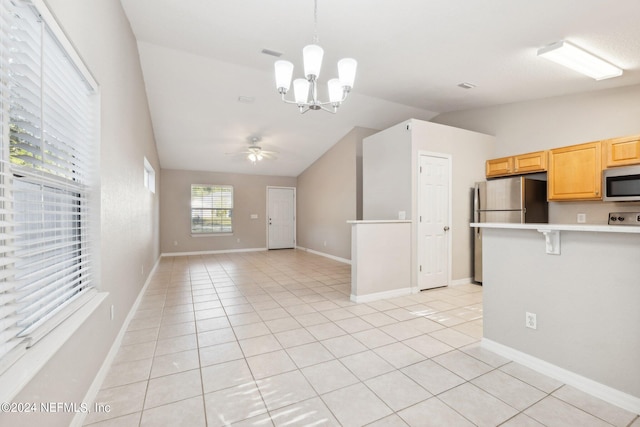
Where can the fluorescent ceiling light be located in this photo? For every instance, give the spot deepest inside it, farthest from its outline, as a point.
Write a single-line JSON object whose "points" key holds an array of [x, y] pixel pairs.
{"points": [[571, 56]]}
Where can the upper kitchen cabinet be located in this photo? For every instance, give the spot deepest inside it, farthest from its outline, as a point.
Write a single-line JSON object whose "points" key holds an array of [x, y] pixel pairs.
{"points": [[517, 165], [621, 151], [575, 172], [499, 167]]}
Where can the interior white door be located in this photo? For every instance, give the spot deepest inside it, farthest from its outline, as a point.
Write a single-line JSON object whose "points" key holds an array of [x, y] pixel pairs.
{"points": [[281, 225], [433, 221]]}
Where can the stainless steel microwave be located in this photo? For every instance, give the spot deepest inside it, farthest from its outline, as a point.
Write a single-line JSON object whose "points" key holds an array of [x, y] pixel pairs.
{"points": [[621, 184]]}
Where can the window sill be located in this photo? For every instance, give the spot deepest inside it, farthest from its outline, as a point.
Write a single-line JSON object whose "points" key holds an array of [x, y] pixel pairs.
{"points": [[211, 234], [18, 375]]}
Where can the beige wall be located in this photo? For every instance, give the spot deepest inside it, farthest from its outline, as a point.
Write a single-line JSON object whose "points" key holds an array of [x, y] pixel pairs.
{"points": [[129, 213], [250, 197], [329, 194], [556, 122]]}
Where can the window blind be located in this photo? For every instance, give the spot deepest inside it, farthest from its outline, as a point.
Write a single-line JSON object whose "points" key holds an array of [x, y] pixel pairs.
{"points": [[211, 209], [46, 165]]}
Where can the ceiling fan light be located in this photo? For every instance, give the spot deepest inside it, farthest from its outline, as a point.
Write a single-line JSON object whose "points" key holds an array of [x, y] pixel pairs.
{"points": [[312, 58], [259, 157], [577, 59], [347, 71], [252, 157], [335, 91], [301, 91], [284, 71]]}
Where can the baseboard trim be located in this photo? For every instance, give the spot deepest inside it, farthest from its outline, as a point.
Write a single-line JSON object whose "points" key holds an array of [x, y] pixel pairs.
{"points": [[382, 295], [458, 282], [222, 251], [589, 386], [79, 418], [333, 257]]}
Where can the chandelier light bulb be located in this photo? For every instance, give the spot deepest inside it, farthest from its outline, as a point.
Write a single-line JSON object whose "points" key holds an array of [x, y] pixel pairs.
{"points": [[284, 71], [301, 91], [335, 91], [347, 72], [312, 57]]}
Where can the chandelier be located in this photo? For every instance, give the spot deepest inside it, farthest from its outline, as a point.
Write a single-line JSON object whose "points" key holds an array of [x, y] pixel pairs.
{"points": [[306, 90]]}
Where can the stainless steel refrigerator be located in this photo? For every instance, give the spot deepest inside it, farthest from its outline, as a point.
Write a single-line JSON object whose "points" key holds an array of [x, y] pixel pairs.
{"points": [[510, 200]]}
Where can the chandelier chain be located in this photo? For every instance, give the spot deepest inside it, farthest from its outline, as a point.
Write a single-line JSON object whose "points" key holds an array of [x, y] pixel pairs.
{"points": [[315, 21]]}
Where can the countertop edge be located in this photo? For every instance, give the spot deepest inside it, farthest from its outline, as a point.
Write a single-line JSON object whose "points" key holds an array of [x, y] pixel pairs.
{"points": [[381, 221], [561, 227]]}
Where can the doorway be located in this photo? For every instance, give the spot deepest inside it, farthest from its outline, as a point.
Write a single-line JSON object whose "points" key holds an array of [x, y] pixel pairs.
{"points": [[281, 217], [434, 219]]}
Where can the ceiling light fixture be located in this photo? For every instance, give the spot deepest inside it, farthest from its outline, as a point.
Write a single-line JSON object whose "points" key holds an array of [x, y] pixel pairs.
{"points": [[571, 56], [255, 154], [306, 90]]}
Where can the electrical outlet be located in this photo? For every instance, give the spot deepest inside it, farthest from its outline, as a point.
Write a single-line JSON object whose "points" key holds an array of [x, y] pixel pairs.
{"points": [[112, 313], [530, 320], [581, 218]]}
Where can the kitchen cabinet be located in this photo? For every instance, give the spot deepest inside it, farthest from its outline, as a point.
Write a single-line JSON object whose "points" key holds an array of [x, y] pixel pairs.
{"points": [[517, 165], [621, 151], [575, 172], [499, 167]]}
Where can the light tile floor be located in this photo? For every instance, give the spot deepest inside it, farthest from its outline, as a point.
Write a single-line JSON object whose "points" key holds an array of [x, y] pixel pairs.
{"points": [[271, 338]]}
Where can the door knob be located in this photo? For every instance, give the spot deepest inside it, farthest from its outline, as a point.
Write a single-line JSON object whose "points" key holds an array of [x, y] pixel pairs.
{"points": [[446, 228]]}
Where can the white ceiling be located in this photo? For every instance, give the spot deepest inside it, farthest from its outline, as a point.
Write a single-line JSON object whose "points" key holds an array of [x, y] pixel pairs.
{"points": [[199, 56]]}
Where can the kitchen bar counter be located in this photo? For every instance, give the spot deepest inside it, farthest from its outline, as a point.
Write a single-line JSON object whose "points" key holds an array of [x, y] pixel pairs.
{"points": [[583, 295], [563, 227]]}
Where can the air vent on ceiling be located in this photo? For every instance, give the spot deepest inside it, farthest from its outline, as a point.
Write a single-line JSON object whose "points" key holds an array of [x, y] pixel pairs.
{"points": [[272, 53], [466, 85]]}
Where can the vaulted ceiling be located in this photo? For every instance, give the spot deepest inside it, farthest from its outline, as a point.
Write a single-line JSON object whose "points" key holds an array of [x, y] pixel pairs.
{"points": [[211, 89]]}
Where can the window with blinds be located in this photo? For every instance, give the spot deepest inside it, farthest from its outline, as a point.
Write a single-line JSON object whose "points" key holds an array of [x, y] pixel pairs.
{"points": [[47, 146], [211, 209]]}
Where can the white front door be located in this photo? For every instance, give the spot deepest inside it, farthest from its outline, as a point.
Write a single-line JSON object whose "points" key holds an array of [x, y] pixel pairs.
{"points": [[281, 223], [433, 221]]}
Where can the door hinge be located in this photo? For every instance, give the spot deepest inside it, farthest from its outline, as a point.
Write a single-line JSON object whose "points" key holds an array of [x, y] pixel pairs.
{"points": [[420, 218], [420, 169], [420, 269]]}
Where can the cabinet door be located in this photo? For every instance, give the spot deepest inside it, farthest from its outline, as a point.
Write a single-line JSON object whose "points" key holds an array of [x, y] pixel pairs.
{"points": [[531, 162], [622, 151], [575, 172], [499, 167]]}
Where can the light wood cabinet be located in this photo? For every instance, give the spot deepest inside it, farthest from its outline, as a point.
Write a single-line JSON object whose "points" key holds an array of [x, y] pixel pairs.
{"points": [[499, 167], [575, 172], [621, 151], [531, 162], [517, 165]]}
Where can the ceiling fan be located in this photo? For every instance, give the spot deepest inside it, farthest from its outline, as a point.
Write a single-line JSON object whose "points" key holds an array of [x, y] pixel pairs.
{"points": [[255, 153]]}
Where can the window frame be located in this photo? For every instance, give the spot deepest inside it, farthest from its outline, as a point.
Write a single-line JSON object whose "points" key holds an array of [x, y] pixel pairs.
{"points": [[20, 364], [220, 207]]}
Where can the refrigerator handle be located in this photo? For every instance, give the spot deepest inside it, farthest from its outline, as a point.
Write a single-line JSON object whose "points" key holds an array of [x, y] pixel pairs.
{"points": [[476, 206]]}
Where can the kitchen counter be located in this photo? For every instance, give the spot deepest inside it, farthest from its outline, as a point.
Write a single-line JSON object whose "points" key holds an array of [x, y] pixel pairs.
{"points": [[583, 294], [562, 227]]}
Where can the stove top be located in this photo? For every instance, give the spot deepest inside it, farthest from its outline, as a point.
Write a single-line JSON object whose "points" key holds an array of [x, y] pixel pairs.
{"points": [[624, 218]]}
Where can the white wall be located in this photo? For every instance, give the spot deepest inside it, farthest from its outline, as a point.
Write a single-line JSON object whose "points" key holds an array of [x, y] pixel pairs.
{"points": [[129, 212], [556, 122], [386, 174], [390, 179]]}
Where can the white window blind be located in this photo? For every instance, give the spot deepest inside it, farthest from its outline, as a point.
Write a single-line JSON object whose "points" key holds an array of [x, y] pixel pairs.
{"points": [[46, 168], [211, 209]]}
